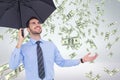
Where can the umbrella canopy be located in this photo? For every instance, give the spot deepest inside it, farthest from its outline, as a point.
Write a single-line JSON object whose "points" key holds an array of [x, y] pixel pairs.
{"points": [[15, 13]]}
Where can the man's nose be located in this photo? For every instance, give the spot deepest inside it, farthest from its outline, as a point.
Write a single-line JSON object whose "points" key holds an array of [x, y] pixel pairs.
{"points": [[37, 24]]}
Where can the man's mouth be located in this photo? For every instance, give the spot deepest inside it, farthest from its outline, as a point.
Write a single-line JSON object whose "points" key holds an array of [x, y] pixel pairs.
{"points": [[38, 27]]}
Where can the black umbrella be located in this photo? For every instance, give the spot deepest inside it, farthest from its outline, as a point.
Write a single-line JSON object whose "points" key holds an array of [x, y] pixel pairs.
{"points": [[15, 13]]}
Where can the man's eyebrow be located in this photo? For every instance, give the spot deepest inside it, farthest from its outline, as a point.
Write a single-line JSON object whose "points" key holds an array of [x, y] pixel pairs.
{"points": [[32, 22]]}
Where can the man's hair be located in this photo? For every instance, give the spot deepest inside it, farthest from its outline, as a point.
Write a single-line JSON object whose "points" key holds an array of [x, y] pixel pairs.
{"points": [[27, 23]]}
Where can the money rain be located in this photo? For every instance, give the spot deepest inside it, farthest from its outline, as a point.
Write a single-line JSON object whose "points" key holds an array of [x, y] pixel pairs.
{"points": [[76, 25]]}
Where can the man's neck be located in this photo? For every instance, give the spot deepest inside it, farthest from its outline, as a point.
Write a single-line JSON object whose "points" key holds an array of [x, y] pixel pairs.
{"points": [[36, 37]]}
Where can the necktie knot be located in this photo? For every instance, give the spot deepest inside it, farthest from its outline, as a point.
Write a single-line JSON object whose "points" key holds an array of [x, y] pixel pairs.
{"points": [[37, 42]]}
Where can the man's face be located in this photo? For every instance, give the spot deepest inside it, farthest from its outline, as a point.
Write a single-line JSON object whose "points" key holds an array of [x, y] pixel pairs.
{"points": [[34, 26]]}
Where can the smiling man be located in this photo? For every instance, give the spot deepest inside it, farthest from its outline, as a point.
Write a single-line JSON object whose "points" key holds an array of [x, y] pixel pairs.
{"points": [[38, 56]]}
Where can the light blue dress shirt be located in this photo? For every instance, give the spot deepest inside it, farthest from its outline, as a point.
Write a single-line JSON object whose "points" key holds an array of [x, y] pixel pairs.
{"points": [[28, 56]]}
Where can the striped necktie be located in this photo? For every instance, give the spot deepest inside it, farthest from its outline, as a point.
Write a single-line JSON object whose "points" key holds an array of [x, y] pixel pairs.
{"points": [[41, 70]]}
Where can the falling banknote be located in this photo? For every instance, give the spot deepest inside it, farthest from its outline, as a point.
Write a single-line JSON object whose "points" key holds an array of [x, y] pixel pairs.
{"points": [[92, 77], [72, 55], [111, 72], [3, 68], [1, 37], [72, 42], [11, 75]]}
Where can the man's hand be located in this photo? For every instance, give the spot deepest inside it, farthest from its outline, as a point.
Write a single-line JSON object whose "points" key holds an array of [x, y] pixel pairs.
{"points": [[88, 58], [20, 39]]}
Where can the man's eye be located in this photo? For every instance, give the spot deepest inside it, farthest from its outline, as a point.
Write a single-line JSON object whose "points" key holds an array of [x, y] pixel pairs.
{"points": [[33, 23]]}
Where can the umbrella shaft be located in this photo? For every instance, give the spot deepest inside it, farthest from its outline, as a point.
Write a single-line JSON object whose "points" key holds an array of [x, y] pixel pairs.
{"points": [[19, 9]]}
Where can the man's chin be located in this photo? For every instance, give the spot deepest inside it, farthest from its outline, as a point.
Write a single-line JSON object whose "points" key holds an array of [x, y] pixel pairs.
{"points": [[38, 32]]}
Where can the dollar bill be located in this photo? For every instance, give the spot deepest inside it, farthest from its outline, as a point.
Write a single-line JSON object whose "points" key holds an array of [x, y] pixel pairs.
{"points": [[112, 24], [113, 32], [89, 32], [52, 29], [109, 45], [4, 67], [72, 3], [73, 42], [11, 75], [102, 33], [107, 35], [72, 55], [96, 31], [91, 43], [65, 41], [91, 76], [117, 39], [21, 68], [97, 77], [61, 7], [1, 37], [111, 72], [110, 54], [56, 1]]}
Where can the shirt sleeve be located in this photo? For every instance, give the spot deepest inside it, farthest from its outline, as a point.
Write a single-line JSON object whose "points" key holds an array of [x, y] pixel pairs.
{"points": [[15, 59], [59, 60]]}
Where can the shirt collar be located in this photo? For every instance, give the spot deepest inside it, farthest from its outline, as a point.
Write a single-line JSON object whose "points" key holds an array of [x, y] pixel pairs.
{"points": [[33, 41]]}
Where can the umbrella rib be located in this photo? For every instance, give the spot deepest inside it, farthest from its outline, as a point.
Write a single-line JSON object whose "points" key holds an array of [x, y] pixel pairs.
{"points": [[44, 1], [36, 0], [7, 10]]}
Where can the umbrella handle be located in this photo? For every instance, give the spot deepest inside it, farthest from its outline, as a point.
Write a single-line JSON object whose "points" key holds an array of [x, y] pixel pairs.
{"points": [[22, 32]]}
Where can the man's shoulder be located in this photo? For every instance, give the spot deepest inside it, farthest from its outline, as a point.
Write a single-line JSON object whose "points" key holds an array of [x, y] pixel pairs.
{"points": [[49, 43], [26, 44]]}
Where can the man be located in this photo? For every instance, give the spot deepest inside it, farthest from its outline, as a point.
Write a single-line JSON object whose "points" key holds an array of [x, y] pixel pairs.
{"points": [[28, 53]]}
